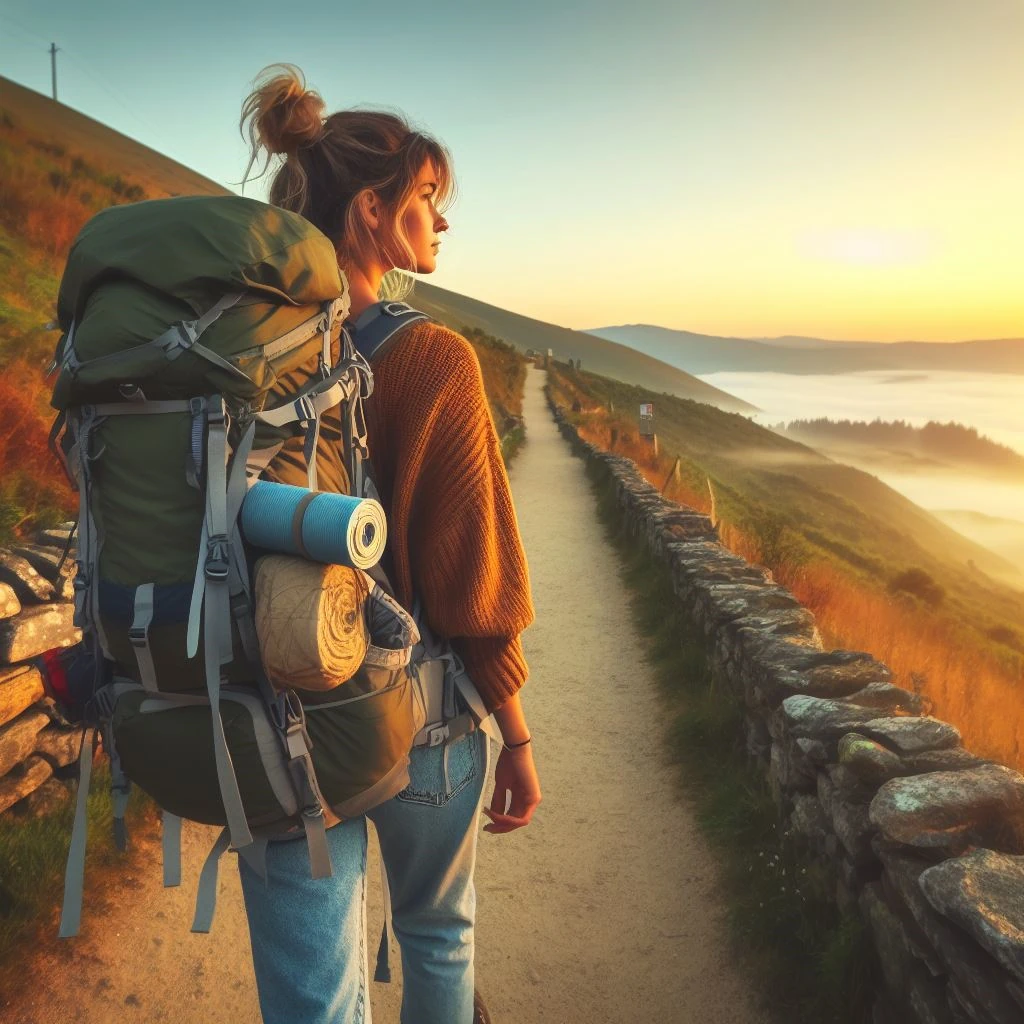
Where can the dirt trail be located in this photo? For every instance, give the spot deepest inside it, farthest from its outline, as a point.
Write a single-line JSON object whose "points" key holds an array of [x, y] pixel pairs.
{"points": [[604, 910]]}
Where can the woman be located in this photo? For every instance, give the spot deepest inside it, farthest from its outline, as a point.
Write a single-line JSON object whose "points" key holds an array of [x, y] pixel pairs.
{"points": [[375, 187]]}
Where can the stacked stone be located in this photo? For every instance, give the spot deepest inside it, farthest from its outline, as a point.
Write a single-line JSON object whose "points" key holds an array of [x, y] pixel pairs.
{"points": [[922, 838], [37, 752]]}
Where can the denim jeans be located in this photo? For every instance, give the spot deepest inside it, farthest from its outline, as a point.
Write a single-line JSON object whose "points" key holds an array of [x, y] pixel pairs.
{"points": [[309, 935]]}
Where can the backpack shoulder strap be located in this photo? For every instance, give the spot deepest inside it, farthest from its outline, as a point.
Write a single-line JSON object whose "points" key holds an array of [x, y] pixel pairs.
{"points": [[375, 329]]}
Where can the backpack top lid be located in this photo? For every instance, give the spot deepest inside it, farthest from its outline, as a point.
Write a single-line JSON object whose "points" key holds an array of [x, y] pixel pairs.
{"points": [[196, 248]]}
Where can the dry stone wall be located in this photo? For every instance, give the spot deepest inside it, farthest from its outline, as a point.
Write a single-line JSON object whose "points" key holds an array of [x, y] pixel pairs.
{"points": [[923, 839], [37, 751]]}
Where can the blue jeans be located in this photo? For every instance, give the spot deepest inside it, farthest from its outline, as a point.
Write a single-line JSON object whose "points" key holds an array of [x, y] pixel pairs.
{"points": [[309, 935]]}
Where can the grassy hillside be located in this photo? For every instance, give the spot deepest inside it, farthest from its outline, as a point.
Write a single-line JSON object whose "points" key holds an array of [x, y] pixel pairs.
{"points": [[880, 573], [57, 168], [597, 355]]}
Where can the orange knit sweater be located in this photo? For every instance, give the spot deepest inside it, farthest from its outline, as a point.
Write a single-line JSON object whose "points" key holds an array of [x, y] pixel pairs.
{"points": [[452, 531]]}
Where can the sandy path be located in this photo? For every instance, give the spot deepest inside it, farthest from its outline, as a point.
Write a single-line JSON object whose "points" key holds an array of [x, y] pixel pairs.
{"points": [[603, 910]]}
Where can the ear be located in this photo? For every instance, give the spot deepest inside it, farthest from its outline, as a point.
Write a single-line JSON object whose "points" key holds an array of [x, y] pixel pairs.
{"points": [[369, 208]]}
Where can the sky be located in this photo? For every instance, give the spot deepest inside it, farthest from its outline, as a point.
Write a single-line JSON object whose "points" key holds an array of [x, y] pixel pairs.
{"points": [[753, 168]]}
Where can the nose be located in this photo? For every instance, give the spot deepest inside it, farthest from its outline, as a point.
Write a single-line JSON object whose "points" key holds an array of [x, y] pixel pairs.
{"points": [[441, 224]]}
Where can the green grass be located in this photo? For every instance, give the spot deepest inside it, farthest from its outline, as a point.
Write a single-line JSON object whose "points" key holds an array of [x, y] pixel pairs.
{"points": [[33, 854], [809, 962]]}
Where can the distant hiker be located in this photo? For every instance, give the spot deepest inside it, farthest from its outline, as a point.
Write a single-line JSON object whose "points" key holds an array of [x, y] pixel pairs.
{"points": [[375, 186]]}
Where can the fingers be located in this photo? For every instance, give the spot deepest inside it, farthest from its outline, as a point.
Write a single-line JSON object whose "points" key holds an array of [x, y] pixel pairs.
{"points": [[515, 817], [502, 823]]}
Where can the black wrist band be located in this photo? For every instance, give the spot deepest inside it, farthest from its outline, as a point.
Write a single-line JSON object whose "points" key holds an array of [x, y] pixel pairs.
{"points": [[513, 746]]}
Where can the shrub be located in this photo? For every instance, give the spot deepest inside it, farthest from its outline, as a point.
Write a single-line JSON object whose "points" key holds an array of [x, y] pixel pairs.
{"points": [[59, 182], [1006, 635], [778, 544], [920, 584]]}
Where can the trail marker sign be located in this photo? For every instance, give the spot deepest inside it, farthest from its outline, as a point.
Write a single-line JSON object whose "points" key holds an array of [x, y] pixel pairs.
{"points": [[647, 419]]}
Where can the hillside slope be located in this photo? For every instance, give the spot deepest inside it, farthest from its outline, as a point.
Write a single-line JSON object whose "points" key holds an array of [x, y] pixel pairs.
{"points": [[597, 354], [763, 480], [62, 127]]}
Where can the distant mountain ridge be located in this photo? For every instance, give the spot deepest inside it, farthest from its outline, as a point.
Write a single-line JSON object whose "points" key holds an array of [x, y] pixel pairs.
{"points": [[598, 355], [703, 353]]}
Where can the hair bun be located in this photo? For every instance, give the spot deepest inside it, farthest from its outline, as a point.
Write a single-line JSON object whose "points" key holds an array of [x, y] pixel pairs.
{"points": [[286, 115]]}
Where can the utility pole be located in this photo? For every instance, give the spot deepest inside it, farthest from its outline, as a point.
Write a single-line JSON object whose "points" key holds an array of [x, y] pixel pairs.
{"points": [[53, 68]]}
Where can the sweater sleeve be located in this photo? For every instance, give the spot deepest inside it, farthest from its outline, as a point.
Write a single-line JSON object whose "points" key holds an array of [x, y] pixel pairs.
{"points": [[465, 553]]}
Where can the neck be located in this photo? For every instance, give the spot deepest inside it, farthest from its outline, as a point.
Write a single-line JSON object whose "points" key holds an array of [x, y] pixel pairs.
{"points": [[364, 286]]}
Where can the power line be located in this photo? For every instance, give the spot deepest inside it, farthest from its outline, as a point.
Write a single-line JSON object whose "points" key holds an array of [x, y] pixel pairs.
{"points": [[53, 49]]}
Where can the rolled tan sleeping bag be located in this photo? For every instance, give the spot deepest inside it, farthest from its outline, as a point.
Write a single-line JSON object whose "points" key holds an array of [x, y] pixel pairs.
{"points": [[310, 621]]}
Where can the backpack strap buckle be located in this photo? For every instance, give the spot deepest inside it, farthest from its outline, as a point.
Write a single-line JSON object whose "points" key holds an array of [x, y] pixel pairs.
{"points": [[437, 734], [217, 558]]}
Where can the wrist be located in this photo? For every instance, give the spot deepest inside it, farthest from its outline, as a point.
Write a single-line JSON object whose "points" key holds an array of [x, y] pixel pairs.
{"points": [[518, 746]]}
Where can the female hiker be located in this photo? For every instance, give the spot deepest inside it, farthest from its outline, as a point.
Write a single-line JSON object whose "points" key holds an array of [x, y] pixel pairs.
{"points": [[375, 187]]}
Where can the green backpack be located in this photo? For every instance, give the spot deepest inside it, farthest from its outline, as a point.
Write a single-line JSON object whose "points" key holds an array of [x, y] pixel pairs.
{"points": [[197, 345]]}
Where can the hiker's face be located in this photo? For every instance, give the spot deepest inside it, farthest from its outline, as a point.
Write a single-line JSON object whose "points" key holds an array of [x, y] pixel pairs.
{"points": [[422, 223]]}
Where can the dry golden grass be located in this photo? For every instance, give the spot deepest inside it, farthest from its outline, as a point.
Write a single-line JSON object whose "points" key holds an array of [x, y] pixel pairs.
{"points": [[925, 651]]}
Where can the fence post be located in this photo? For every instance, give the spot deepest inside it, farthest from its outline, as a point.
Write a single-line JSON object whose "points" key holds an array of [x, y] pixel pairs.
{"points": [[672, 475]]}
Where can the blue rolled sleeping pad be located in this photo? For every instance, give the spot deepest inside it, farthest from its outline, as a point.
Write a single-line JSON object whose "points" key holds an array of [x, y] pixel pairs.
{"points": [[336, 529]]}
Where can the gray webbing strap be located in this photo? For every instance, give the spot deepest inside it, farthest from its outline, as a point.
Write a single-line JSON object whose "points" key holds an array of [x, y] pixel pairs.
{"points": [[138, 634], [255, 855], [194, 467], [171, 849], [206, 895], [315, 826], [184, 336], [309, 450], [74, 873], [196, 607], [180, 337], [305, 406], [120, 788], [217, 613], [260, 458], [237, 479]]}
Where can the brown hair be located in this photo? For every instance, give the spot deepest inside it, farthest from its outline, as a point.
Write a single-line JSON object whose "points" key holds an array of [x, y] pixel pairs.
{"points": [[329, 161]]}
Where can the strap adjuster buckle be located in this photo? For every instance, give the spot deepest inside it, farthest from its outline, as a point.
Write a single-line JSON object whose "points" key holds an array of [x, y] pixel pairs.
{"points": [[217, 566], [437, 734], [137, 636], [304, 409]]}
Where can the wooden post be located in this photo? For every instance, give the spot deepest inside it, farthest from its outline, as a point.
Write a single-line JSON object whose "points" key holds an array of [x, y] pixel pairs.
{"points": [[672, 475]]}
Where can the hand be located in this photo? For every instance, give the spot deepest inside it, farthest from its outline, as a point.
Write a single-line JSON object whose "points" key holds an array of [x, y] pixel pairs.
{"points": [[515, 774]]}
